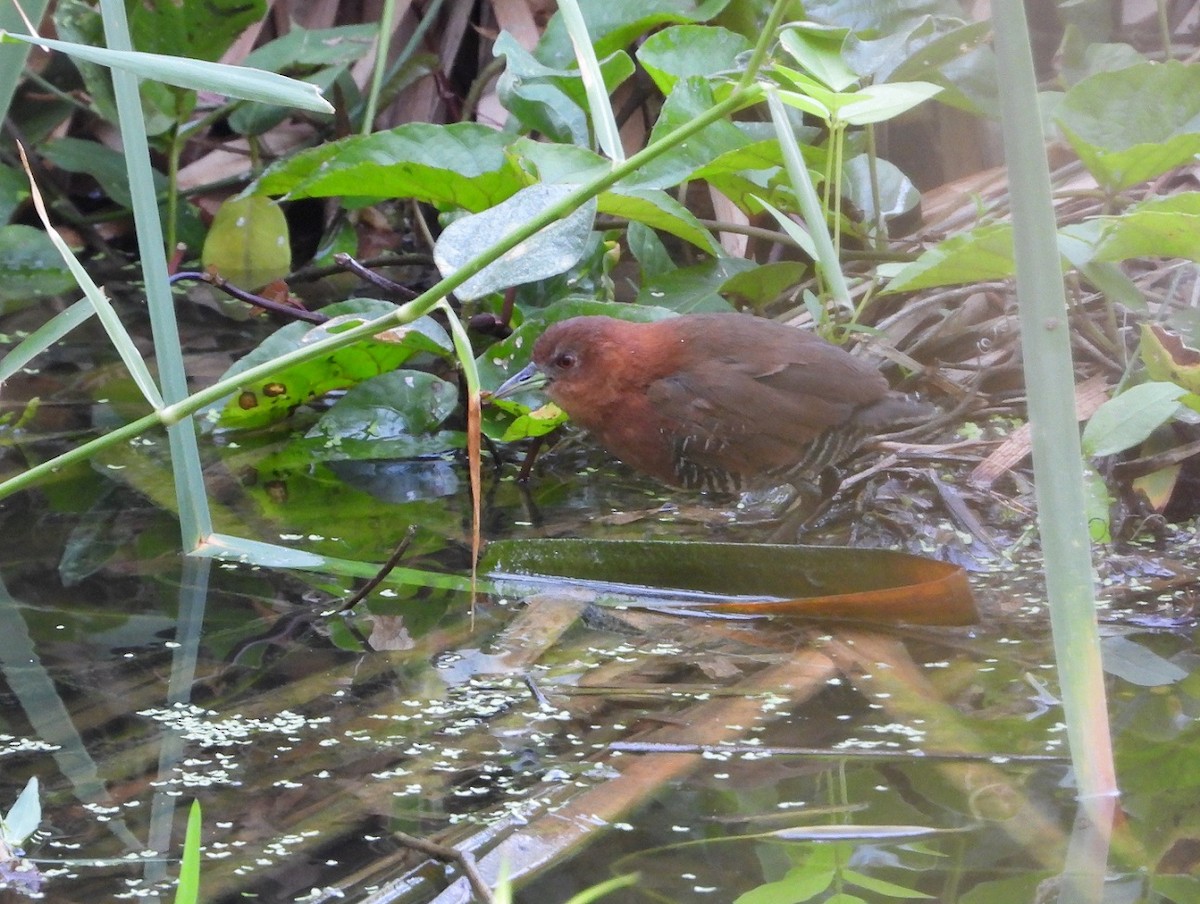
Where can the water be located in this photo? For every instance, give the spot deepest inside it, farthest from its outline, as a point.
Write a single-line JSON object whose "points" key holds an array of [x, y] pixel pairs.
{"points": [[722, 761]]}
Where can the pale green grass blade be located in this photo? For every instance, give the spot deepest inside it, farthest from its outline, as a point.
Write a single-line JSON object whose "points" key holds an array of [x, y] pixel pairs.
{"points": [[195, 520], [104, 310], [1050, 378], [603, 120], [810, 206], [44, 337], [241, 82]]}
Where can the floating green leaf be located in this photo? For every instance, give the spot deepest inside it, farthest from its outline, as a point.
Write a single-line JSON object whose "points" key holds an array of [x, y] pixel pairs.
{"points": [[274, 398]]}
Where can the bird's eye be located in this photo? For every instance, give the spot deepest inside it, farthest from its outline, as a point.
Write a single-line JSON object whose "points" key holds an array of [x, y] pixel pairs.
{"points": [[565, 360]]}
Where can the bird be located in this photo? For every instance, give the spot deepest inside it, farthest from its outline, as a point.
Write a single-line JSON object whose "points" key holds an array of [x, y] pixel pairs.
{"points": [[716, 402]]}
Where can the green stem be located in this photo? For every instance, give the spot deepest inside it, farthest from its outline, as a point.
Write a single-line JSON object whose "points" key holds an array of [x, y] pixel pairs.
{"points": [[418, 307], [382, 43]]}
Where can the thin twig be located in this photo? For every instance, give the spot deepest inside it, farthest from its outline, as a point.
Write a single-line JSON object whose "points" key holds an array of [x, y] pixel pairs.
{"points": [[464, 860], [391, 563]]}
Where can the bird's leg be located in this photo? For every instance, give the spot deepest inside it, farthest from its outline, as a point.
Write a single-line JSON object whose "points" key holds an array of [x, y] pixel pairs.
{"points": [[809, 507]]}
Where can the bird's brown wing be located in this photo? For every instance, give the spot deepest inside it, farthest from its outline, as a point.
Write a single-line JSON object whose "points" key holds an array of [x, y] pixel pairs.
{"points": [[748, 419]]}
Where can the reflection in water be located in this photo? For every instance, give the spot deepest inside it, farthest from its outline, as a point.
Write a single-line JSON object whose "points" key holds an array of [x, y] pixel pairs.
{"points": [[723, 750]]}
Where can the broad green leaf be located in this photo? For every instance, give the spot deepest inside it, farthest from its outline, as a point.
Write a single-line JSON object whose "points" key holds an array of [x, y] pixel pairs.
{"points": [[1128, 419], [808, 104], [879, 103], [1134, 124], [320, 57], [275, 397], [691, 98], [400, 403], [304, 50], [692, 290], [615, 24], [198, 31], [1158, 227], [984, 253], [552, 162], [749, 171], [551, 100], [1137, 664], [660, 211], [31, 265], [197, 75], [683, 51], [103, 164], [248, 243], [648, 249], [873, 16], [463, 165], [766, 283], [818, 50], [551, 251], [897, 194], [916, 49]]}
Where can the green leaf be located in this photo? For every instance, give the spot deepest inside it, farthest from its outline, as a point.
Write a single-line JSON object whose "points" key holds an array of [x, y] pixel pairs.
{"points": [[197, 75], [552, 100], [659, 210], [462, 165], [248, 243], [984, 253], [551, 251], [103, 164], [1128, 419], [691, 98], [1134, 124], [881, 887], [1132, 662], [274, 398], [800, 884], [818, 50], [682, 51], [879, 103], [648, 249], [1158, 227], [31, 265], [304, 50], [765, 284], [691, 290], [897, 194], [615, 24], [400, 403]]}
